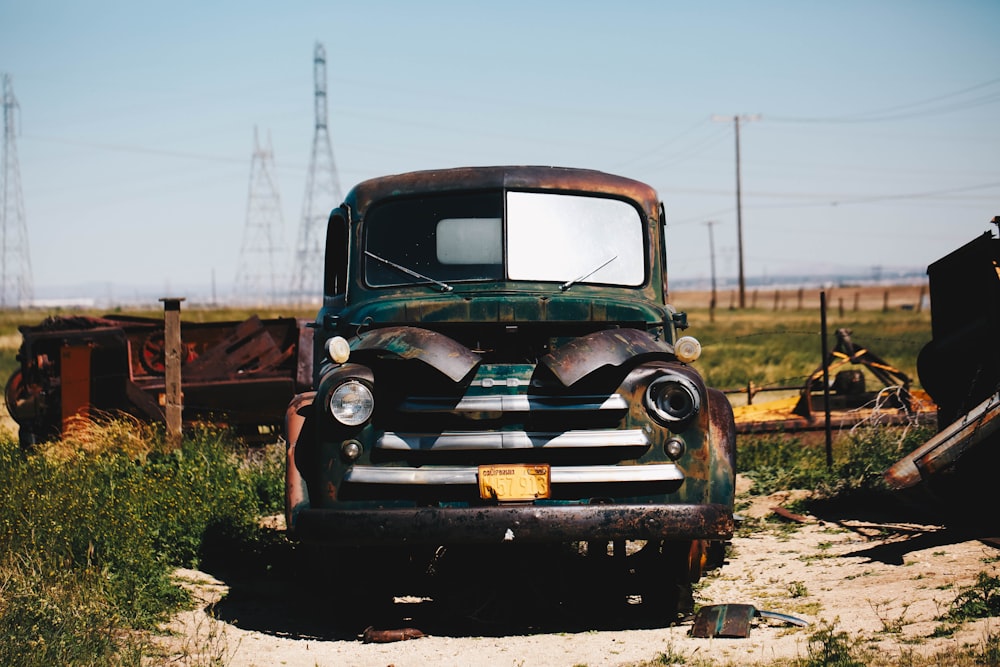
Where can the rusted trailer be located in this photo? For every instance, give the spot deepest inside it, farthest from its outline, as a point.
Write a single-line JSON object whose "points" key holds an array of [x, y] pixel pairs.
{"points": [[237, 374]]}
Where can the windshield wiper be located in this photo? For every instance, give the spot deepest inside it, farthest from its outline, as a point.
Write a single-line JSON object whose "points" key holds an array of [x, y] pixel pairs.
{"points": [[569, 283], [445, 287]]}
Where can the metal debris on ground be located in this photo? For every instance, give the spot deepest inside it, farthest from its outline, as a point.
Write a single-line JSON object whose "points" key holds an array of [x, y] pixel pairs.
{"points": [[734, 620]]}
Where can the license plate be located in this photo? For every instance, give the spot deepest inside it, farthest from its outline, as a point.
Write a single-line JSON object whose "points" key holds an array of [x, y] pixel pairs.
{"points": [[514, 482]]}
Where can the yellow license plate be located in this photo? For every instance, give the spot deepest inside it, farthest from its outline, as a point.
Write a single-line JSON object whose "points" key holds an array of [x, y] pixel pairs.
{"points": [[514, 482]]}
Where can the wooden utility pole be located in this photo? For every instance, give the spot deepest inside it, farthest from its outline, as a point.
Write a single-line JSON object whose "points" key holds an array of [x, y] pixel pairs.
{"points": [[711, 255], [739, 199], [172, 376]]}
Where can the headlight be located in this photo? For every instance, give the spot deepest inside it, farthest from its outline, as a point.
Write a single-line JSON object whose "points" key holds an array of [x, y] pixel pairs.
{"points": [[352, 403], [673, 399]]}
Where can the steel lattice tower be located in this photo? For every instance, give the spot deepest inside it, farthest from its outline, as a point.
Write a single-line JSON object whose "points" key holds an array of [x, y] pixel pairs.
{"points": [[16, 289], [256, 278], [322, 195]]}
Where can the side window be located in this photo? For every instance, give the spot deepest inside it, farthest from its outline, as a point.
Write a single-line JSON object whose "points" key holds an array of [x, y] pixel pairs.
{"points": [[337, 242]]}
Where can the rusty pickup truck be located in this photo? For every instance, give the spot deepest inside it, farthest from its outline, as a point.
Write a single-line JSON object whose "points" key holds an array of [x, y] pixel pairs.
{"points": [[496, 365]]}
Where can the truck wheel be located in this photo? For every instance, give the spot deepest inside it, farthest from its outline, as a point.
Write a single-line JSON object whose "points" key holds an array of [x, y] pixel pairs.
{"points": [[666, 573]]}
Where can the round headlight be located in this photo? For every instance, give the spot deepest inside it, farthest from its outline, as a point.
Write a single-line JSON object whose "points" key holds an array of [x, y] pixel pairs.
{"points": [[352, 403], [687, 349], [673, 399]]}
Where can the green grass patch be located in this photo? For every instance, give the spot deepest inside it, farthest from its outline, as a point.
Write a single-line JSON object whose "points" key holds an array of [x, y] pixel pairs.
{"points": [[783, 348], [782, 461], [92, 527]]}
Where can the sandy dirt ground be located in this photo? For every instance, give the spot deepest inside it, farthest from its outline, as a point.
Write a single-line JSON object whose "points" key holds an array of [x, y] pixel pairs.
{"points": [[882, 580]]}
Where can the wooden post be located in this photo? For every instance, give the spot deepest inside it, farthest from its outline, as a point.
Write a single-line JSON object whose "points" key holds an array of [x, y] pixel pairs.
{"points": [[777, 299], [885, 301], [826, 381], [857, 301], [920, 299], [754, 299], [799, 299], [172, 375]]}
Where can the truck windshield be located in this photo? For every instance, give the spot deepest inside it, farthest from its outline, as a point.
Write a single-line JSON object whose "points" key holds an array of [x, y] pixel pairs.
{"points": [[465, 237]]}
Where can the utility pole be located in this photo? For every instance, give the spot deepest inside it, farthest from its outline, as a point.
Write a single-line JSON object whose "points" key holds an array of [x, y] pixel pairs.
{"points": [[711, 254], [322, 195], [16, 285], [739, 197]]}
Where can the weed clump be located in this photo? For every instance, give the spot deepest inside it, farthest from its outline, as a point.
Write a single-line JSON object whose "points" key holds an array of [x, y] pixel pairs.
{"points": [[780, 461], [830, 647], [978, 600], [91, 528]]}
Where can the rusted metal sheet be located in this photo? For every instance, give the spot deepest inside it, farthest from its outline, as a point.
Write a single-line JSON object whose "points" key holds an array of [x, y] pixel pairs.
{"points": [[734, 620], [724, 620]]}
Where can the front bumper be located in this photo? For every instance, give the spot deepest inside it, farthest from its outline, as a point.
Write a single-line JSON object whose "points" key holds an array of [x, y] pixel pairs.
{"points": [[514, 523]]}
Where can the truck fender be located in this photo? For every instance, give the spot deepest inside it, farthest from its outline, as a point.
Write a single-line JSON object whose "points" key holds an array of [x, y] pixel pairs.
{"points": [[296, 491], [722, 436]]}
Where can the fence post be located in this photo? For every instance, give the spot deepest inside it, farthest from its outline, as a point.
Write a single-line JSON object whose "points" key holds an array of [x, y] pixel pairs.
{"points": [[172, 368], [826, 381]]}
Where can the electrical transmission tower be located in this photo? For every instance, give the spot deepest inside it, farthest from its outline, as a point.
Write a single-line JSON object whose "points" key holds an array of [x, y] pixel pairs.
{"points": [[322, 195], [16, 289], [255, 277]]}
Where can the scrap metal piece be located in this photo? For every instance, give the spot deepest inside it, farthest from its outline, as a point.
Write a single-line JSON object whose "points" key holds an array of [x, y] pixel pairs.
{"points": [[941, 451], [733, 620], [784, 618], [373, 636], [723, 620]]}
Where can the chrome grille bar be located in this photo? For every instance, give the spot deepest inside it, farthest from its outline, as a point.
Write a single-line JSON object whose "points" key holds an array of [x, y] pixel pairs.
{"points": [[516, 403], [468, 475], [490, 440]]}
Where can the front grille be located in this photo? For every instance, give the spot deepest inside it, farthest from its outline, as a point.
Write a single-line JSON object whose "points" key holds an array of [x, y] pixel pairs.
{"points": [[430, 447]]}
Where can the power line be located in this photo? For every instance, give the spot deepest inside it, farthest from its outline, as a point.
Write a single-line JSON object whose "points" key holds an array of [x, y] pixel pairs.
{"points": [[907, 110]]}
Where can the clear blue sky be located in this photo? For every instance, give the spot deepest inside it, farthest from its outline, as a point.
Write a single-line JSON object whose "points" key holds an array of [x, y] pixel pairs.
{"points": [[877, 143]]}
